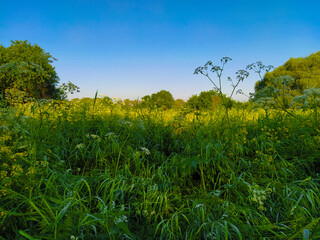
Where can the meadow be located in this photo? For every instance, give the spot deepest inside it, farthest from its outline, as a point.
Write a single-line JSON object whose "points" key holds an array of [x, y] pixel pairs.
{"points": [[91, 170]]}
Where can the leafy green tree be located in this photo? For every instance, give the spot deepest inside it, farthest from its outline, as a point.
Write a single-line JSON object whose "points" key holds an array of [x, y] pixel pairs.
{"points": [[207, 100], [66, 88], [179, 103], [127, 103], [193, 102], [304, 71], [28, 68], [163, 99], [147, 102]]}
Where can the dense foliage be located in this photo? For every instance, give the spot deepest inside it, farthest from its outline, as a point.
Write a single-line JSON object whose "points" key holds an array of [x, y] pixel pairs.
{"points": [[304, 71], [26, 72], [206, 100], [161, 99], [27, 68]]}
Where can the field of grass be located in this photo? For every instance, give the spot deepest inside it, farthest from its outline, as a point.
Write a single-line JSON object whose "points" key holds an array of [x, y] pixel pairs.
{"points": [[86, 170]]}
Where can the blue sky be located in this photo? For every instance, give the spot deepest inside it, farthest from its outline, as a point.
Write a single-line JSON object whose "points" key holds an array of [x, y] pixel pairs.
{"points": [[129, 49]]}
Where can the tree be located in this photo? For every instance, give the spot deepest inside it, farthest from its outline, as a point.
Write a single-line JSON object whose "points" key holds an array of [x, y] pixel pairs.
{"points": [[28, 68], [66, 88], [163, 98], [127, 103], [179, 103], [304, 71], [147, 102], [207, 100]]}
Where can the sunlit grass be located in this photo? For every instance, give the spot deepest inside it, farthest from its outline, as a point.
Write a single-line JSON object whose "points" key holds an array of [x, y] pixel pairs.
{"points": [[95, 171]]}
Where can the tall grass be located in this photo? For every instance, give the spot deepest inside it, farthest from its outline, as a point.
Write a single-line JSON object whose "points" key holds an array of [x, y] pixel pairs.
{"points": [[76, 170]]}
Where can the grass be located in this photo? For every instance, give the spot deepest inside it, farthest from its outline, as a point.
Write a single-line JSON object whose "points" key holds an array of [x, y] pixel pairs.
{"points": [[78, 170]]}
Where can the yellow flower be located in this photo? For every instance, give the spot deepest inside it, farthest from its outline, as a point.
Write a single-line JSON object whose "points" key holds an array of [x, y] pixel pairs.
{"points": [[16, 170], [5, 165], [3, 174]]}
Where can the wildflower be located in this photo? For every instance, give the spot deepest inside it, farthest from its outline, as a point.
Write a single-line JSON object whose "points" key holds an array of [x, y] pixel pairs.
{"points": [[145, 213], [3, 192], [2, 213], [5, 165], [6, 150], [16, 170], [44, 163], [145, 150], [31, 171], [80, 146], [124, 122], [3, 174], [120, 219], [292, 210], [258, 196], [199, 205], [96, 137]]}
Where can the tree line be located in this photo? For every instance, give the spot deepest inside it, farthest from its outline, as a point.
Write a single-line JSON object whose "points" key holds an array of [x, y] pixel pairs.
{"points": [[26, 72]]}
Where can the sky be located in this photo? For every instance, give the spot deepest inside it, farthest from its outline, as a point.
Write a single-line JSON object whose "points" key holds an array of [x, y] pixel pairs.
{"points": [[129, 49]]}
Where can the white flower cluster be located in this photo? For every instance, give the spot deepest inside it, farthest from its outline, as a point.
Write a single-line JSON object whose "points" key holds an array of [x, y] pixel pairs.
{"points": [[113, 205], [145, 150], [93, 136], [125, 122], [147, 214], [122, 218], [80, 146], [199, 205], [258, 195]]}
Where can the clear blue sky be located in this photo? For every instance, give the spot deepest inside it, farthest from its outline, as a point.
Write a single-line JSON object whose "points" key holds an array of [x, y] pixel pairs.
{"points": [[129, 49]]}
